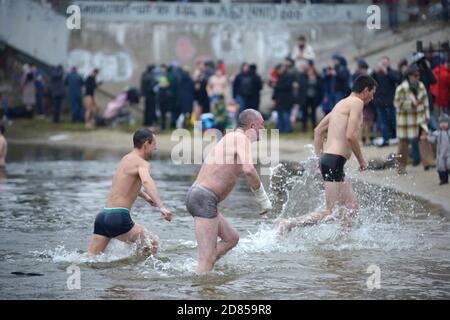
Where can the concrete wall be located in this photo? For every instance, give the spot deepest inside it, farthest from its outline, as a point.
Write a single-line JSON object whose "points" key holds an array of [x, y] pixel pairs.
{"points": [[34, 29], [123, 37]]}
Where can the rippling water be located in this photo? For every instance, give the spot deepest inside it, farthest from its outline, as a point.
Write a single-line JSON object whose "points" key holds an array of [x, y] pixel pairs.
{"points": [[50, 197]]}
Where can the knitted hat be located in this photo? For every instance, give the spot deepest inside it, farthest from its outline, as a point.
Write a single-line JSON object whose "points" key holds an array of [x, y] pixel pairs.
{"points": [[444, 118]]}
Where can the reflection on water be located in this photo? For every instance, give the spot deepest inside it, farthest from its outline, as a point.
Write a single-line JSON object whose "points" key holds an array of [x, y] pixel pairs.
{"points": [[50, 197]]}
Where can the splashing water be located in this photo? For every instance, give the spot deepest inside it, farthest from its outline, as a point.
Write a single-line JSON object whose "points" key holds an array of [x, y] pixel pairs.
{"points": [[48, 208]]}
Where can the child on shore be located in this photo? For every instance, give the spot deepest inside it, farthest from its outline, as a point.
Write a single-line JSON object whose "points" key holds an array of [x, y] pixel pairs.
{"points": [[442, 137]]}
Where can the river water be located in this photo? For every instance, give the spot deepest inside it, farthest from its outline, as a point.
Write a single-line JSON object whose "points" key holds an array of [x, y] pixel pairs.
{"points": [[398, 247]]}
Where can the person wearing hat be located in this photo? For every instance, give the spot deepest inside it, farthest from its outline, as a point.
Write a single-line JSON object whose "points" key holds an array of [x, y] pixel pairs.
{"points": [[411, 103], [442, 137], [427, 78]]}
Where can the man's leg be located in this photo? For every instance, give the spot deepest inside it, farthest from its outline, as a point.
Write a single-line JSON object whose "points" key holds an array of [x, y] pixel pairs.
{"points": [[206, 232], [392, 114], [140, 235], [383, 123], [228, 235], [348, 200], [332, 196], [97, 244], [403, 155], [73, 108]]}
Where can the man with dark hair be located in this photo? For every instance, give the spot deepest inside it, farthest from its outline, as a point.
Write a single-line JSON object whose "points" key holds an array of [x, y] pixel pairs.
{"points": [[90, 103], [343, 124], [217, 177], [114, 221]]}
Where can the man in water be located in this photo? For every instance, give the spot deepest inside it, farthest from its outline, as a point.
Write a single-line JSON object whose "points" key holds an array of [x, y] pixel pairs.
{"points": [[114, 221], [217, 177], [343, 124]]}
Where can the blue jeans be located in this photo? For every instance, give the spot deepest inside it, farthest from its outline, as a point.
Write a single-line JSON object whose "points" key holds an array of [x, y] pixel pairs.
{"points": [[284, 121], [241, 102], [76, 105], [40, 102], [386, 121], [415, 153]]}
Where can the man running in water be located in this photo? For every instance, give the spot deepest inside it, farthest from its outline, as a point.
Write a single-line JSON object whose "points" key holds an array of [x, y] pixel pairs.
{"points": [[114, 220], [217, 177], [343, 124]]}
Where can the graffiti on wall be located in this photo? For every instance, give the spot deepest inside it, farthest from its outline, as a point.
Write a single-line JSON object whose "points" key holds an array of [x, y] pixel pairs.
{"points": [[114, 67], [234, 44]]}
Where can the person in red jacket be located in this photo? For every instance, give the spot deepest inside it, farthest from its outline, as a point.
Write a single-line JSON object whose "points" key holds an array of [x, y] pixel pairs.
{"points": [[441, 89]]}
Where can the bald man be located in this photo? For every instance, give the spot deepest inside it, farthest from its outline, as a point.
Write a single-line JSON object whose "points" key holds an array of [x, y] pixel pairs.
{"points": [[217, 177]]}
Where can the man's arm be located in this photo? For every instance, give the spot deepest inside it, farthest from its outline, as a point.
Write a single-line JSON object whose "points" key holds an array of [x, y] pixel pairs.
{"points": [[150, 188], [352, 134], [244, 152], [147, 198], [319, 134]]}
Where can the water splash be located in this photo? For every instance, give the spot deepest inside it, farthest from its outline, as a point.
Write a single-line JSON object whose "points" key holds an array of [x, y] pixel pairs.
{"points": [[115, 252]]}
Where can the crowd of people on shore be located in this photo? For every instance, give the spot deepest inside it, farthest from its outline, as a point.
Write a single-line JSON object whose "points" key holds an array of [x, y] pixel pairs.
{"points": [[409, 99]]}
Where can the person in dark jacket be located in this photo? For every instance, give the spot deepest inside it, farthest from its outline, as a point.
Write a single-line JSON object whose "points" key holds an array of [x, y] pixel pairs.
{"points": [[283, 97], [75, 83], [148, 91], [311, 94], [186, 93], [57, 91], [342, 78], [387, 79], [427, 78], [257, 85]]}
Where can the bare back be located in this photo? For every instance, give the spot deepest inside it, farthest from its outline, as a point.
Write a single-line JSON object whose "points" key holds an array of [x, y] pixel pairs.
{"points": [[126, 182], [222, 167], [337, 142], [3, 150]]}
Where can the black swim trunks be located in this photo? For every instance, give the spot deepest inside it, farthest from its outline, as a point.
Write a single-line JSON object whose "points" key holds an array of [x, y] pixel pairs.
{"points": [[332, 167], [112, 222]]}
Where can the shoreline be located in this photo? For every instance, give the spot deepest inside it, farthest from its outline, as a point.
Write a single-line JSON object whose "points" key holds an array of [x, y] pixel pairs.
{"points": [[418, 183]]}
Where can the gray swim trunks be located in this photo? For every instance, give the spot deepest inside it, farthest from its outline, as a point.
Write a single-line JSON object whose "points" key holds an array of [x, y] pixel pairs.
{"points": [[201, 202]]}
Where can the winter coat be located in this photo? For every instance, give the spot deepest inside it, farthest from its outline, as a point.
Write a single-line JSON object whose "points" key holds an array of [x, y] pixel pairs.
{"points": [[412, 110]]}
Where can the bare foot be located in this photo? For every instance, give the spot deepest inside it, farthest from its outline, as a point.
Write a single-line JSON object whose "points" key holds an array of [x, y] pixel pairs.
{"points": [[284, 225]]}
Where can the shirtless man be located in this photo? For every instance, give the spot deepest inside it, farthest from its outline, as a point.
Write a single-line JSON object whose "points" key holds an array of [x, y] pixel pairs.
{"points": [[343, 124], [217, 177], [114, 221]]}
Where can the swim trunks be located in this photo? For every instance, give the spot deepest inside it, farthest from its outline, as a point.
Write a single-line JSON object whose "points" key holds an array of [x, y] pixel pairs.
{"points": [[112, 222], [202, 202], [332, 167]]}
